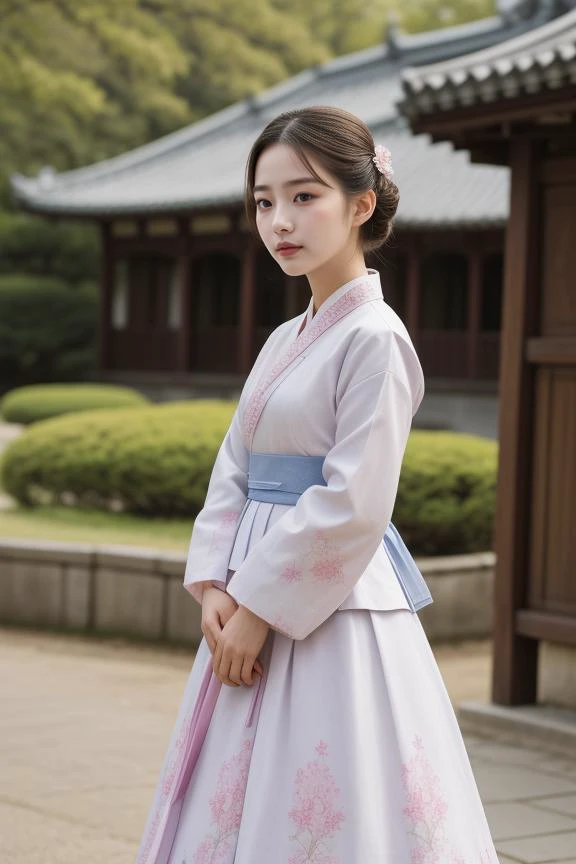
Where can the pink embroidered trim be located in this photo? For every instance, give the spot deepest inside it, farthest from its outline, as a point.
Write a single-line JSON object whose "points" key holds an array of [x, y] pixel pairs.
{"points": [[314, 811], [360, 293]]}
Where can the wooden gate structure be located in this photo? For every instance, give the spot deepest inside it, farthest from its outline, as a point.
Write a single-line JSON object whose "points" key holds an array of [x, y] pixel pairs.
{"points": [[515, 104]]}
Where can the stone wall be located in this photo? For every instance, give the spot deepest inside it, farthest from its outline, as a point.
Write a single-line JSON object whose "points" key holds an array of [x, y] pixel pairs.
{"points": [[136, 592], [557, 674]]}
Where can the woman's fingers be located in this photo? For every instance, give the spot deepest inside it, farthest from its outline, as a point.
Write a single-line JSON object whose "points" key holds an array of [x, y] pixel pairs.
{"points": [[235, 674], [221, 666], [248, 672], [212, 632]]}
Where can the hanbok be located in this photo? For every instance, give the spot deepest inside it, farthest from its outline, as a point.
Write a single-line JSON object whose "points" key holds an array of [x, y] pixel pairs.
{"points": [[347, 750]]}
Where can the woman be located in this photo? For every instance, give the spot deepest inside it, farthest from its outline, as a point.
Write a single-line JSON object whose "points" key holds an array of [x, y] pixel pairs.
{"points": [[315, 727]]}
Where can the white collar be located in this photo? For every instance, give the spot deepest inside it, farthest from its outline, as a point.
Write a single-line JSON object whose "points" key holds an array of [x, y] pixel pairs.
{"points": [[371, 274]]}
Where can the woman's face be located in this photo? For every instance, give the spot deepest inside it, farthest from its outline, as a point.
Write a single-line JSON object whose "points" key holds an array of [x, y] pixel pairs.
{"points": [[293, 207]]}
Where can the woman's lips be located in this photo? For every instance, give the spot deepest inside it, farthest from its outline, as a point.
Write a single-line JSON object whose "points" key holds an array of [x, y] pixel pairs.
{"points": [[289, 250]]}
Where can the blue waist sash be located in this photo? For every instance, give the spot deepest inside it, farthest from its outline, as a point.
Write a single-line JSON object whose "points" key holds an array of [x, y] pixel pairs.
{"points": [[280, 478]]}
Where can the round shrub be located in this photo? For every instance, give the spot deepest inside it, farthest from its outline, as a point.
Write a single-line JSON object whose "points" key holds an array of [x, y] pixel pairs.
{"points": [[40, 401], [47, 330], [153, 460], [157, 461], [447, 493]]}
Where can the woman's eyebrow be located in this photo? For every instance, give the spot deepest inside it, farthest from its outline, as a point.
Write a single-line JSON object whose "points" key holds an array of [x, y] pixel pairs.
{"points": [[289, 183]]}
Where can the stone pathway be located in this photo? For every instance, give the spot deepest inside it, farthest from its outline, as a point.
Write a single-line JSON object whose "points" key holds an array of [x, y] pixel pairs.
{"points": [[84, 726]]}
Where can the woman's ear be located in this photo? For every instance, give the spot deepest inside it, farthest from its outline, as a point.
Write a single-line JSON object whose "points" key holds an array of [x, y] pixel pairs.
{"points": [[364, 206]]}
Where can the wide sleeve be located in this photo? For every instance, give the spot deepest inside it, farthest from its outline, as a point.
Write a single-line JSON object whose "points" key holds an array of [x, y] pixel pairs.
{"points": [[304, 567], [215, 525]]}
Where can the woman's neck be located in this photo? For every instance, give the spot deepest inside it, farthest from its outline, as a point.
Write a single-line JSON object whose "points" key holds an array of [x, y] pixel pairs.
{"points": [[336, 272]]}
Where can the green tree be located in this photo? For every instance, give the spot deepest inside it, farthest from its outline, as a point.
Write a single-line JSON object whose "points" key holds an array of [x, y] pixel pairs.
{"points": [[421, 15], [350, 25], [236, 48], [81, 79]]}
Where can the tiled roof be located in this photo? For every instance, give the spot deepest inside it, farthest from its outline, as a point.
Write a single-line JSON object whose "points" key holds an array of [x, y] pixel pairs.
{"points": [[542, 59], [202, 166]]}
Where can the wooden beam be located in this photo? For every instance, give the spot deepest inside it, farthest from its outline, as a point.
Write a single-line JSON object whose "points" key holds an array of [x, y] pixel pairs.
{"points": [[105, 305], [557, 351], [183, 351], [515, 656], [413, 292], [546, 625], [474, 309], [459, 121], [247, 307]]}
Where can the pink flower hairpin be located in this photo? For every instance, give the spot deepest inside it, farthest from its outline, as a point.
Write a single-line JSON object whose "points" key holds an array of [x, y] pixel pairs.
{"points": [[383, 160]]}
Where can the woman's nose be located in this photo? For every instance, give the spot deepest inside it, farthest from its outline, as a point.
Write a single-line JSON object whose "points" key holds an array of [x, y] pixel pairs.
{"points": [[281, 220]]}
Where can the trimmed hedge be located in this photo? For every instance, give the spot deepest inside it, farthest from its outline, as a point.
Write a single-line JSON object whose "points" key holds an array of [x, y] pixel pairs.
{"points": [[149, 461], [158, 460], [447, 493], [65, 249], [47, 330], [42, 401]]}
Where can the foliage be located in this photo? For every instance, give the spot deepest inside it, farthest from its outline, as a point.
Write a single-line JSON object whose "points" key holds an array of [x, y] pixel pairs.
{"points": [[420, 15], [157, 461], [47, 330], [81, 80], [344, 26], [98, 77], [39, 402], [447, 493], [31, 244], [149, 461]]}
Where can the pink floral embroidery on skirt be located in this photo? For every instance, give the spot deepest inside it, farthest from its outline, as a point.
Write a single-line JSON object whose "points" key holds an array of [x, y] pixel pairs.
{"points": [[314, 811], [166, 783], [226, 807], [426, 810]]}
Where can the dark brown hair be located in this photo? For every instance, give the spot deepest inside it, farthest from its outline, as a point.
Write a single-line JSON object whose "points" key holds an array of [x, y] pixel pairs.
{"points": [[344, 145]]}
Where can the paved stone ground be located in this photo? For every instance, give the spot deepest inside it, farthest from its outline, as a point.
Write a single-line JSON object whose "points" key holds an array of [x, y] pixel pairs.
{"points": [[83, 730]]}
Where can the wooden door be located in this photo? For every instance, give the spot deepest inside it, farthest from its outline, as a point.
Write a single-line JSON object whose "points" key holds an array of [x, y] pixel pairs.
{"points": [[552, 569]]}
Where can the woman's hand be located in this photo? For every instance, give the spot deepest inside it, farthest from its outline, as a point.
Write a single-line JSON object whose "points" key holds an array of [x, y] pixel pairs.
{"points": [[238, 646], [217, 608]]}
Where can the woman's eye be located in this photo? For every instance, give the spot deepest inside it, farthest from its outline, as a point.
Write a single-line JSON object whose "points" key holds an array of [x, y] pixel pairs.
{"points": [[259, 201]]}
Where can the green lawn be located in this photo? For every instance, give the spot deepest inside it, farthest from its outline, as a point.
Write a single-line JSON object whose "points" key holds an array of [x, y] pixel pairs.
{"points": [[94, 526]]}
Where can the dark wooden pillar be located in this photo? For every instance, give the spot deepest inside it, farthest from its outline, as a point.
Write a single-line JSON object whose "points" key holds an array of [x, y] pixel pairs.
{"points": [[413, 292], [106, 291], [183, 263], [515, 657], [474, 309], [247, 307]]}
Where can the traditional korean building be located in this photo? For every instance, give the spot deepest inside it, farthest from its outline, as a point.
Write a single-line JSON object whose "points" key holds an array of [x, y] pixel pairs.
{"points": [[515, 104], [188, 296]]}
